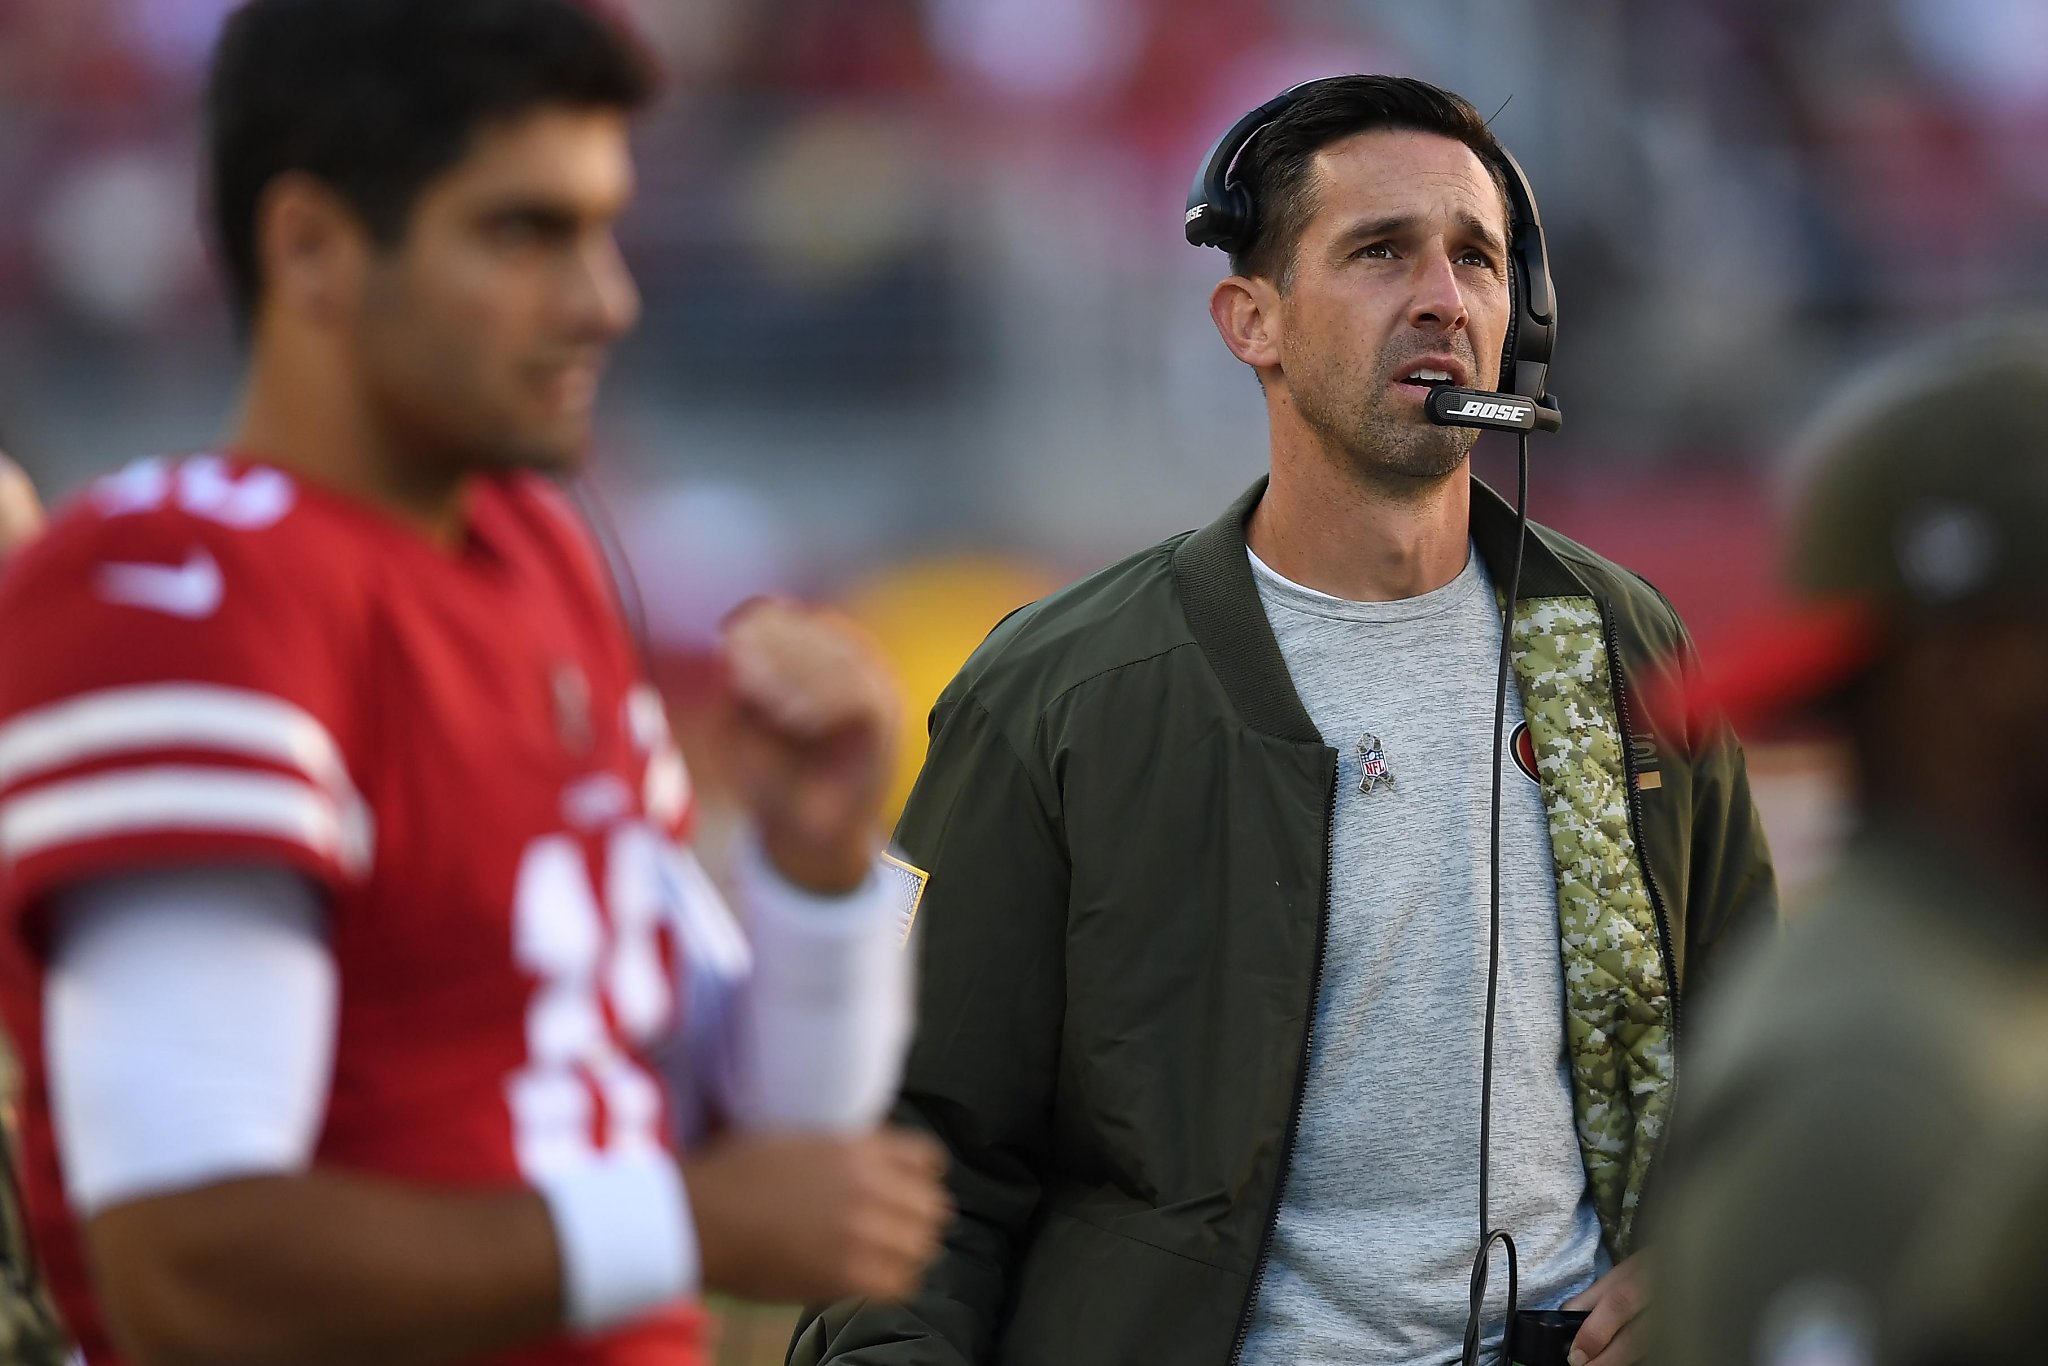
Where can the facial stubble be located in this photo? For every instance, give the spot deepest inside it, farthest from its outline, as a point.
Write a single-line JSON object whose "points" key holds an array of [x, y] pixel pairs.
{"points": [[1358, 423]]}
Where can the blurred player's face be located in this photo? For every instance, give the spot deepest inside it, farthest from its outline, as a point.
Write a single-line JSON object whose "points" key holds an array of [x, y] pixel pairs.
{"points": [[484, 331], [1950, 730], [1403, 266]]}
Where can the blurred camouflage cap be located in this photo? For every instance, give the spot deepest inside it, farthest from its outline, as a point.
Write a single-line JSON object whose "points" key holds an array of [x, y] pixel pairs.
{"points": [[1923, 493], [1927, 482]]}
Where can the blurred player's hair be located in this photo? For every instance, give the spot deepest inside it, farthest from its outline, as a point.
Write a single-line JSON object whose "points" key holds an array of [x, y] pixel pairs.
{"points": [[1276, 166], [375, 98]]}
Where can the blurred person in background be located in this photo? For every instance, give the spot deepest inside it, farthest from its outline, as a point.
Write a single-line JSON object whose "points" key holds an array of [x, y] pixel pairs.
{"points": [[1848, 1085], [348, 939], [1204, 952], [30, 1333]]}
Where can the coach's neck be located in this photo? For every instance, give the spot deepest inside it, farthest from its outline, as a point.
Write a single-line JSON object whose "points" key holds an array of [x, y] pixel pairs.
{"points": [[1362, 535]]}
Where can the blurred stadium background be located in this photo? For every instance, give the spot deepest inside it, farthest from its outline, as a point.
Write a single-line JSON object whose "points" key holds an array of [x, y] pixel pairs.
{"points": [[922, 335]]}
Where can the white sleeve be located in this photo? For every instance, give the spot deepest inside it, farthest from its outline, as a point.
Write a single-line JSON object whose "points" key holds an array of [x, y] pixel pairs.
{"points": [[804, 1029], [189, 1036], [700, 1060], [188, 1030]]}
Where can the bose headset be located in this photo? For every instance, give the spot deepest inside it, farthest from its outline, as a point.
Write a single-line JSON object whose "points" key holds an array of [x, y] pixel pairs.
{"points": [[1221, 214]]}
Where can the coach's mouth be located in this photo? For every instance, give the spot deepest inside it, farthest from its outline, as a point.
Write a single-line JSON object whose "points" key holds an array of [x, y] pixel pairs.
{"points": [[1425, 373]]}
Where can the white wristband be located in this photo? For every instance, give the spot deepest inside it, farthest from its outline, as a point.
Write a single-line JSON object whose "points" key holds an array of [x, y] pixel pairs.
{"points": [[825, 1024], [627, 1245]]}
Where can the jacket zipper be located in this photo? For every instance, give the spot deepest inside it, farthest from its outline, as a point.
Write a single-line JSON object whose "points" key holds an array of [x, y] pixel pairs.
{"points": [[1630, 777], [1308, 1038]]}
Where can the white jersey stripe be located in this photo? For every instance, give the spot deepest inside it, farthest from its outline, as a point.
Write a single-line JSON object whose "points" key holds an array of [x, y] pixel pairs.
{"points": [[172, 798], [155, 716]]}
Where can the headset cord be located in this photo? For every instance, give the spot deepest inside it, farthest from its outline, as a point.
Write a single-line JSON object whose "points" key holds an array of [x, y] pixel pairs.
{"points": [[1488, 1235]]}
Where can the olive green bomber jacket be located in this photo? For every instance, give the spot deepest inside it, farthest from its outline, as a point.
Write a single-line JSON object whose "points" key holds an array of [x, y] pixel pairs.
{"points": [[1125, 816]]}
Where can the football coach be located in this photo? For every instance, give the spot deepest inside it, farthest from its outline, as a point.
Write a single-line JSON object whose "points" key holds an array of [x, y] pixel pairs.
{"points": [[1205, 948]]}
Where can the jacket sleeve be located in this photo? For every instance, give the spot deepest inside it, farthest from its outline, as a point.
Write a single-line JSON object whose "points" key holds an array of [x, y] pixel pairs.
{"points": [[991, 995], [1732, 889], [1734, 892], [1706, 851]]}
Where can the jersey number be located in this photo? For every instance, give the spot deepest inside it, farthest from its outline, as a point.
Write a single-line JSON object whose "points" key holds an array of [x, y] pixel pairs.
{"points": [[592, 955], [203, 486]]}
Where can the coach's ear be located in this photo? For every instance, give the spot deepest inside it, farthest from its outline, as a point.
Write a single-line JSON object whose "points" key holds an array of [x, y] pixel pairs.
{"points": [[1246, 312], [312, 250], [21, 512]]}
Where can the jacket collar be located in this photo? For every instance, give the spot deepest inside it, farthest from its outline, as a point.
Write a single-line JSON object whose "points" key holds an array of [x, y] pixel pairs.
{"points": [[1229, 622]]}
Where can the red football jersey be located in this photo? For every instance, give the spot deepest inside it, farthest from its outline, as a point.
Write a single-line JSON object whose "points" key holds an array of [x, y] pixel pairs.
{"points": [[207, 661]]}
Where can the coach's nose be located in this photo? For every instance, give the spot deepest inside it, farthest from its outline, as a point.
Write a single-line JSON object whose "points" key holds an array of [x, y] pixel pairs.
{"points": [[1438, 302]]}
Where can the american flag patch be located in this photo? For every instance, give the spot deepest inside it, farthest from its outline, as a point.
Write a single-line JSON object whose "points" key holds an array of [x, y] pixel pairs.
{"points": [[906, 883]]}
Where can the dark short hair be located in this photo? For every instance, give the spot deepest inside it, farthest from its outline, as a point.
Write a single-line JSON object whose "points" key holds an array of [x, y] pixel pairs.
{"points": [[1275, 166], [375, 98]]}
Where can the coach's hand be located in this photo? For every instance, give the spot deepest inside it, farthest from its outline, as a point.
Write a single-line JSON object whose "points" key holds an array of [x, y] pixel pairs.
{"points": [[800, 1219], [21, 515], [814, 722], [1613, 1334]]}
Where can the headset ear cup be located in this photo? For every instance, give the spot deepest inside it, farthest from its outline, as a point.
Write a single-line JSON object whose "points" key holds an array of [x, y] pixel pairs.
{"points": [[1219, 212], [1506, 382], [1228, 214], [1239, 214], [1222, 223]]}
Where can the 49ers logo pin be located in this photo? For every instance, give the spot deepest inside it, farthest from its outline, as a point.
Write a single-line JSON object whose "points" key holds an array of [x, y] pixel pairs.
{"points": [[1373, 768], [1523, 746]]}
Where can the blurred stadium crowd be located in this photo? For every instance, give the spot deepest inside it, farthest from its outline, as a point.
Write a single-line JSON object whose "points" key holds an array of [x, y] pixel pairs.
{"points": [[919, 315]]}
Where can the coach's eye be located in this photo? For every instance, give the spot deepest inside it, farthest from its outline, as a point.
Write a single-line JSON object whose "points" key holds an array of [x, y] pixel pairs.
{"points": [[1378, 251]]}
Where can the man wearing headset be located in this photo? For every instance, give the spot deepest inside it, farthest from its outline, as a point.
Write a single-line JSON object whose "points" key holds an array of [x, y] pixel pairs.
{"points": [[1205, 942]]}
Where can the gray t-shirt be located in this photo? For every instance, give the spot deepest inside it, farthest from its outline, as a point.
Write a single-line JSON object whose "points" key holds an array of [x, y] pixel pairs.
{"points": [[1371, 1261]]}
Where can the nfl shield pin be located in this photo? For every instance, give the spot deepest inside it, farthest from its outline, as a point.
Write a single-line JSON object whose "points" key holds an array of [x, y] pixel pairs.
{"points": [[1372, 764]]}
